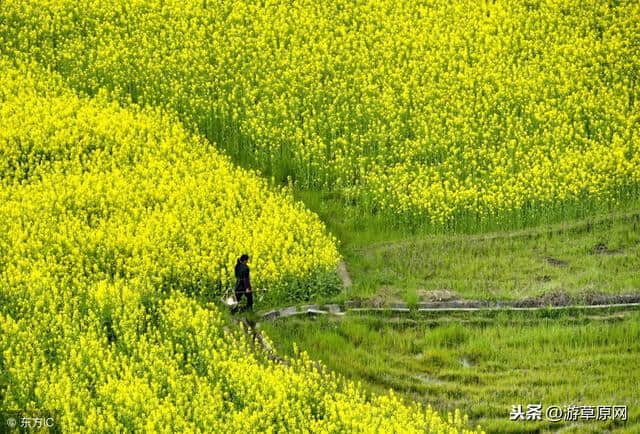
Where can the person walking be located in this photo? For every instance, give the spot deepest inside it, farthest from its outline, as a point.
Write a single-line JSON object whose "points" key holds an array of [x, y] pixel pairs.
{"points": [[243, 284]]}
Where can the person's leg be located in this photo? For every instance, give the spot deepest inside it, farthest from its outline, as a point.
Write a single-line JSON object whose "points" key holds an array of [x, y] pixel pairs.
{"points": [[249, 296], [238, 299]]}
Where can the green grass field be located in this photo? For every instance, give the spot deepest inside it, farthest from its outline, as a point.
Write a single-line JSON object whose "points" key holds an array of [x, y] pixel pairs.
{"points": [[577, 258], [484, 364]]}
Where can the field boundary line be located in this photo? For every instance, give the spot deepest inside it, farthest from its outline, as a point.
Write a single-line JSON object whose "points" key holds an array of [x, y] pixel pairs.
{"points": [[533, 231], [342, 310]]}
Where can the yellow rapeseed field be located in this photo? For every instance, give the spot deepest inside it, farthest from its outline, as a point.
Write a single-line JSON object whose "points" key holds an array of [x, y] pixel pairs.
{"points": [[133, 188], [117, 203], [108, 217], [426, 110]]}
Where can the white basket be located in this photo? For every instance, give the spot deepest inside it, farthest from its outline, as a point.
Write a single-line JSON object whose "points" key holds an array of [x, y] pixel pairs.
{"points": [[230, 301]]}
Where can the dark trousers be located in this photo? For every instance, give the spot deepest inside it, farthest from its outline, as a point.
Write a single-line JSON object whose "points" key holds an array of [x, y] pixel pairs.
{"points": [[249, 295]]}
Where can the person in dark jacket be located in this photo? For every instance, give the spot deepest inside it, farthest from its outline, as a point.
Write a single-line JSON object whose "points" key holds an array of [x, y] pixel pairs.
{"points": [[243, 284]]}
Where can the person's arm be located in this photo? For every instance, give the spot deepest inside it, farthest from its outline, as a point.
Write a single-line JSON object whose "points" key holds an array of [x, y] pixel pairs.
{"points": [[247, 283]]}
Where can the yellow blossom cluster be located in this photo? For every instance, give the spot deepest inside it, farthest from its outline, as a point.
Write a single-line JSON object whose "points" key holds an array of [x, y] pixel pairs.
{"points": [[422, 108], [103, 358], [108, 217], [125, 193]]}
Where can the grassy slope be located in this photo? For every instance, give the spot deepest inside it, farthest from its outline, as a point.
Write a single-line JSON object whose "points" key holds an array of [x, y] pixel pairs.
{"points": [[484, 363], [485, 366], [595, 255]]}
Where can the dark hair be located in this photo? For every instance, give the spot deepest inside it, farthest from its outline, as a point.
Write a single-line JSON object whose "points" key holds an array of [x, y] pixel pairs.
{"points": [[244, 257]]}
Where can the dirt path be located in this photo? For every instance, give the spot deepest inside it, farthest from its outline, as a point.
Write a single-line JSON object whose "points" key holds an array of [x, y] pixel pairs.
{"points": [[542, 303], [249, 327]]}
